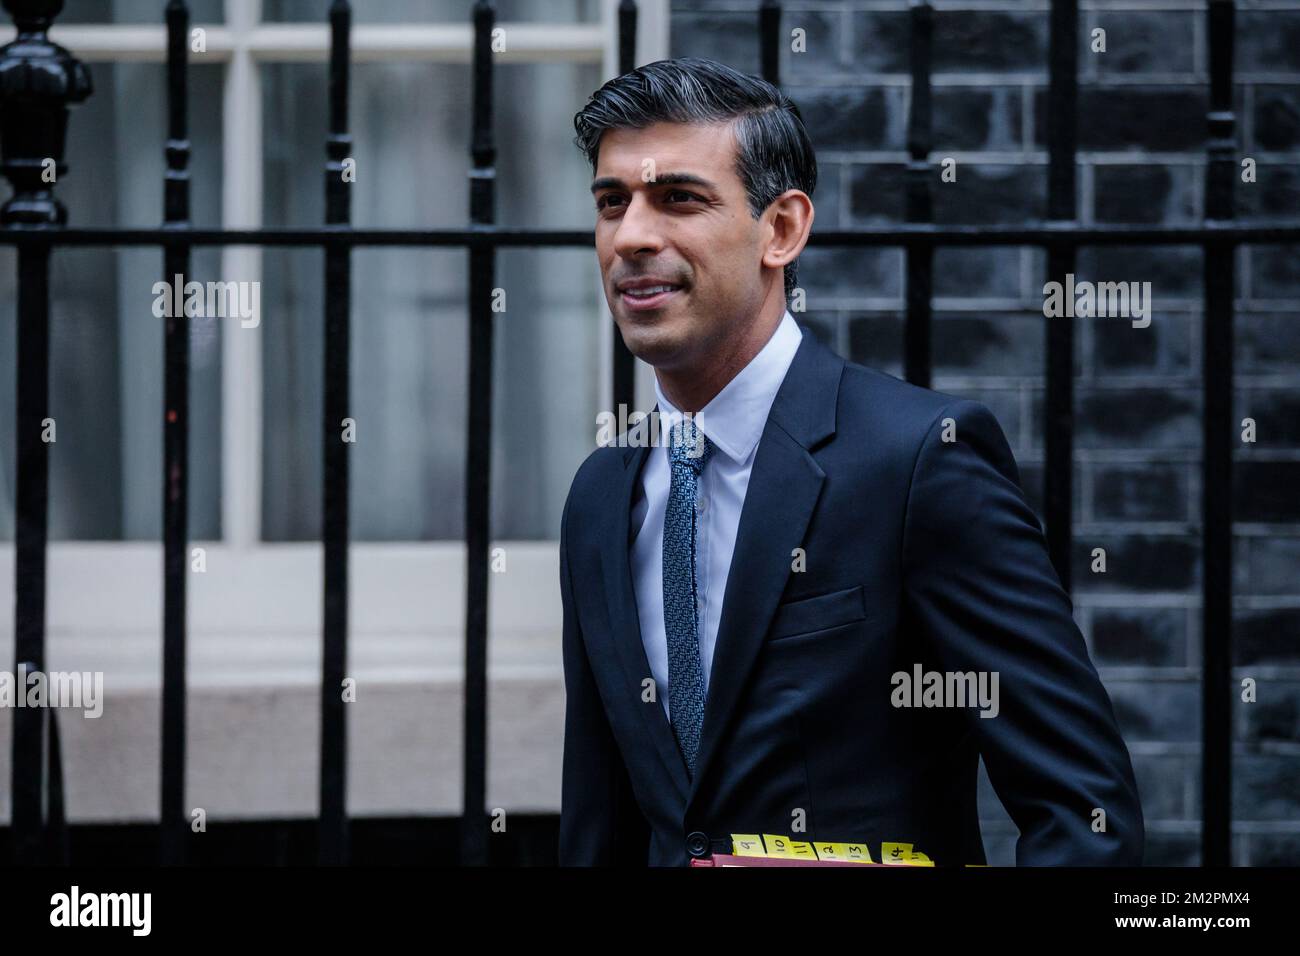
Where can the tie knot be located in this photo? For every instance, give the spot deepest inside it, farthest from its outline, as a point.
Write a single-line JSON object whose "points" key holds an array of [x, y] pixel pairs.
{"points": [[689, 445]]}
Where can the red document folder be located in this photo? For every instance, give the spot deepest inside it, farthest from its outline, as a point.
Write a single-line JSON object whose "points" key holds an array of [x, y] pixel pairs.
{"points": [[769, 849], [727, 859]]}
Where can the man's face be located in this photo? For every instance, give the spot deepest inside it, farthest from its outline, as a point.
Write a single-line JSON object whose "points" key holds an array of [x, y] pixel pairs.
{"points": [[697, 236]]}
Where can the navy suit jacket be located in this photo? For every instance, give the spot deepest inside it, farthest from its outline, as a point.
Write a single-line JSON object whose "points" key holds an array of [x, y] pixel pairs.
{"points": [[916, 550]]}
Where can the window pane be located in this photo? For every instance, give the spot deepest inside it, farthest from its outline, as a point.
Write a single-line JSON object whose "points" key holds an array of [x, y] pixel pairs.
{"points": [[134, 11], [409, 307], [106, 346]]}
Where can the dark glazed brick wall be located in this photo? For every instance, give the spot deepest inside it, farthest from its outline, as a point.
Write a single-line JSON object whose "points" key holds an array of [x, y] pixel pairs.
{"points": [[1137, 474]]}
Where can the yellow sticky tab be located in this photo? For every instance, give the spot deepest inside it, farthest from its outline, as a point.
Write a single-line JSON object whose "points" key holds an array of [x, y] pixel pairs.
{"points": [[786, 849], [895, 852], [848, 852], [747, 844], [902, 853]]}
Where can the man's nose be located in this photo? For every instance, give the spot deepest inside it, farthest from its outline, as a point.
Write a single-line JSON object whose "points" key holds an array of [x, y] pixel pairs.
{"points": [[638, 229]]}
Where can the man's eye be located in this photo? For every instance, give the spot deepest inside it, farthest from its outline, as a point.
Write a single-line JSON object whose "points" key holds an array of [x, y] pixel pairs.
{"points": [[605, 201]]}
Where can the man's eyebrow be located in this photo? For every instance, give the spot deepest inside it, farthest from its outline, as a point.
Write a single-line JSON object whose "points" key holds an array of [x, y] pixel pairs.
{"points": [[665, 179]]}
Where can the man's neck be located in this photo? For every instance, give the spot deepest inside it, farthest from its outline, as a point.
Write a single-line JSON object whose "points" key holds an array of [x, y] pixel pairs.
{"points": [[690, 389]]}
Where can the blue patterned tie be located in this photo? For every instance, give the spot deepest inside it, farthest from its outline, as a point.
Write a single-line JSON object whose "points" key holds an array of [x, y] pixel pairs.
{"points": [[688, 450]]}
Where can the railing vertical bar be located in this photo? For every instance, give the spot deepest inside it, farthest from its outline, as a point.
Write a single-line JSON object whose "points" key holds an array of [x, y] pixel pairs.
{"points": [[1058, 424], [30, 525], [624, 364], [176, 419], [333, 828], [478, 460], [43, 80], [1220, 431], [918, 326], [56, 844]]}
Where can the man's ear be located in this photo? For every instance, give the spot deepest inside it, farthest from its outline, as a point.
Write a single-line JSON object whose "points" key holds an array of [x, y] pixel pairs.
{"points": [[790, 219]]}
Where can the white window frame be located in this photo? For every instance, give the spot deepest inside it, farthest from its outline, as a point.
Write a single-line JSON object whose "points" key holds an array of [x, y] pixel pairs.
{"points": [[255, 614]]}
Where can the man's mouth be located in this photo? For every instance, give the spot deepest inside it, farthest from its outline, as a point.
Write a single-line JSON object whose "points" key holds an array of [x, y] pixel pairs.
{"points": [[650, 297]]}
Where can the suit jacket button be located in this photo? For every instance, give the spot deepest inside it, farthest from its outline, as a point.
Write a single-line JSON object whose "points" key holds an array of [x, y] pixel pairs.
{"points": [[697, 844]]}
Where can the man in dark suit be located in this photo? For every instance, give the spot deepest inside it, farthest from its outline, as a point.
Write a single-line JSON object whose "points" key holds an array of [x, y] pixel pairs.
{"points": [[819, 597]]}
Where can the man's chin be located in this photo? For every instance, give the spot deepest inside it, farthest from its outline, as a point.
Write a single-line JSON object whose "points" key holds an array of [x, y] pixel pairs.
{"points": [[654, 346]]}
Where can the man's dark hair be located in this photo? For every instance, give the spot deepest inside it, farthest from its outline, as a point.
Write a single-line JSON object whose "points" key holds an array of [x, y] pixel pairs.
{"points": [[773, 152]]}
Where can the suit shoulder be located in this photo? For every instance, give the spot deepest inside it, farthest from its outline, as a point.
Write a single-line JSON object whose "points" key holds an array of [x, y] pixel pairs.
{"points": [[901, 406], [913, 413], [598, 467], [599, 472]]}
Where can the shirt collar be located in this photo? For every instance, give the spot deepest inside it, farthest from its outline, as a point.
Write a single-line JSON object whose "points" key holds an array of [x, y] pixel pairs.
{"points": [[735, 418]]}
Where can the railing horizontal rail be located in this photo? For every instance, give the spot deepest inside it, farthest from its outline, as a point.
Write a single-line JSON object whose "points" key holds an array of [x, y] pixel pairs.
{"points": [[893, 235]]}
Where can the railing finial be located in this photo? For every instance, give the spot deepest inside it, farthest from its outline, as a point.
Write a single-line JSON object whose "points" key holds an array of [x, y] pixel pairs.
{"points": [[39, 80], [31, 16]]}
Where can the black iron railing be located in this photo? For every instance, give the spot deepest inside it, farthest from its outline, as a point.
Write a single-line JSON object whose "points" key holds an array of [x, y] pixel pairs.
{"points": [[173, 827], [39, 81]]}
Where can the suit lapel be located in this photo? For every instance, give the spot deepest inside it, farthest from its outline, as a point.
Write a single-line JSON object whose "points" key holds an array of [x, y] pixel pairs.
{"points": [[784, 486], [783, 490], [616, 566]]}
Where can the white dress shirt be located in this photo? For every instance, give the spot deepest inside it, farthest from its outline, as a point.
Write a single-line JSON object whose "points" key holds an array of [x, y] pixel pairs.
{"points": [[733, 421]]}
